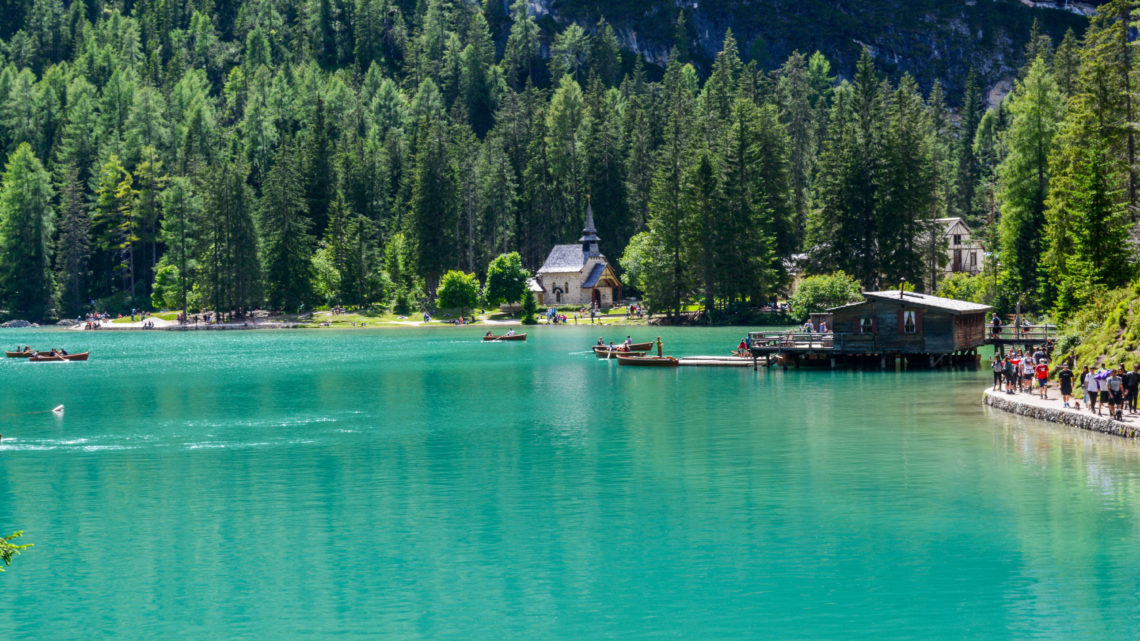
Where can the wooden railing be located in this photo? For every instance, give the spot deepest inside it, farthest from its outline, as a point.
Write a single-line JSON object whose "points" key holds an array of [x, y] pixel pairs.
{"points": [[796, 340], [1027, 333]]}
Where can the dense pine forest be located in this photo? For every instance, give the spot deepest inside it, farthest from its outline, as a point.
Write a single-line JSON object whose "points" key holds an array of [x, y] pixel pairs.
{"points": [[191, 154]]}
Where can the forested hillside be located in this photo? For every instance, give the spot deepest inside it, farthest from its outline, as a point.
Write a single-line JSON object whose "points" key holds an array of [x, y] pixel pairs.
{"points": [[233, 155], [930, 39]]}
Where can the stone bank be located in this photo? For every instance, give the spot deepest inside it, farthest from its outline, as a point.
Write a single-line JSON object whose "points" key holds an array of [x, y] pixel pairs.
{"points": [[1051, 410]]}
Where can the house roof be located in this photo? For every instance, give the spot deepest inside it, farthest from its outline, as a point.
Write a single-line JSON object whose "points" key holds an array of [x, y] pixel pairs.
{"points": [[927, 301], [564, 258], [949, 223]]}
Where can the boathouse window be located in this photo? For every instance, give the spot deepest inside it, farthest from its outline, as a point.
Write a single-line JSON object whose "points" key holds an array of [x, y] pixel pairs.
{"points": [[909, 325], [868, 325], [957, 239]]}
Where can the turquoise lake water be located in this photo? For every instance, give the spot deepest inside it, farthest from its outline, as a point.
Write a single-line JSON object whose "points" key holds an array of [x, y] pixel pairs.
{"points": [[419, 484]]}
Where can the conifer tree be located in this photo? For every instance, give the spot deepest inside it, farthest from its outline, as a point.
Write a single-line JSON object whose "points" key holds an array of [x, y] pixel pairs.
{"points": [[907, 198], [666, 206], [522, 45], [701, 231], [567, 124], [432, 206], [286, 239], [26, 227], [794, 93], [231, 272], [1035, 110], [968, 171], [73, 246], [116, 225], [605, 54], [843, 231], [181, 232]]}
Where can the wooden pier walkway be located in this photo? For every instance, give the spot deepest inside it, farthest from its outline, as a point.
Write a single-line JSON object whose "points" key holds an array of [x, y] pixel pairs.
{"points": [[720, 361]]}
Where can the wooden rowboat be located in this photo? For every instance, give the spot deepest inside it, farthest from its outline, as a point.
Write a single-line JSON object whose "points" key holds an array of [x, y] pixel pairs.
{"points": [[635, 347], [648, 361], [48, 358], [607, 353], [20, 354], [514, 337]]}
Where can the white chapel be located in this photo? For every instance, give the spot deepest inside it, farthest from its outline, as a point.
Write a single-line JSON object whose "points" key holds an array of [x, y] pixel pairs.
{"points": [[577, 274]]}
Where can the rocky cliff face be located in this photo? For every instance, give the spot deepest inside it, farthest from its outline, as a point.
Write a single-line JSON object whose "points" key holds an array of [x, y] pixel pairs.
{"points": [[930, 39]]}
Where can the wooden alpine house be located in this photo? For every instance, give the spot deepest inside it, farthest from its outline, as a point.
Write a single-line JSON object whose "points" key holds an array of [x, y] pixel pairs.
{"points": [[918, 330]]}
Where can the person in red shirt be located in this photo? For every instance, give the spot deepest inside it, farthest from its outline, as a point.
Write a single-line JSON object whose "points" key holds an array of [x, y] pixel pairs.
{"points": [[1042, 371]]}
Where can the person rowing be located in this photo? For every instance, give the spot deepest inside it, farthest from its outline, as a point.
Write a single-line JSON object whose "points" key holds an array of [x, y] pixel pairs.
{"points": [[511, 332], [601, 343], [488, 334]]}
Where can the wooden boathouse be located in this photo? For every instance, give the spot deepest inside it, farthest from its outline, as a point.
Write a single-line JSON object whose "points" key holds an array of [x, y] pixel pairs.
{"points": [[888, 326]]}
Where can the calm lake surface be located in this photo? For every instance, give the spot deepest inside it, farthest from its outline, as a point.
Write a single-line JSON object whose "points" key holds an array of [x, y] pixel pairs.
{"points": [[418, 484]]}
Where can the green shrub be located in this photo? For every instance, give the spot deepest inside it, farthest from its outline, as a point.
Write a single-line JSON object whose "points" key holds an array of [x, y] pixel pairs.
{"points": [[822, 292]]}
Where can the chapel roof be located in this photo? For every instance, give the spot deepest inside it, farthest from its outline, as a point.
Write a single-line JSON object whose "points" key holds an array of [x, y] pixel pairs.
{"points": [[595, 274], [564, 258]]}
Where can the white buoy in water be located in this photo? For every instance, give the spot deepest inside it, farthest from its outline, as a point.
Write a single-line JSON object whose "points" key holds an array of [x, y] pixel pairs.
{"points": [[58, 410]]}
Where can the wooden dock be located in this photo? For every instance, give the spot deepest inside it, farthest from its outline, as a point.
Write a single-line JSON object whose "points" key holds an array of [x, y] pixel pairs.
{"points": [[720, 361]]}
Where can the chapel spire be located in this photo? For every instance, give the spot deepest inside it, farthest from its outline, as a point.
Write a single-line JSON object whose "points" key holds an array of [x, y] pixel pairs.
{"points": [[589, 237]]}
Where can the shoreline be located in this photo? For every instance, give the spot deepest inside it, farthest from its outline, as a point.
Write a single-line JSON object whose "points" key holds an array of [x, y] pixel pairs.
{"points": [[1051, 410]]}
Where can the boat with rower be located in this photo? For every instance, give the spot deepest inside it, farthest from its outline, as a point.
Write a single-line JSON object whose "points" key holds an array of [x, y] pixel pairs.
{"points": [[58, 358], [647, 361], [633, 347], [505, 337]]}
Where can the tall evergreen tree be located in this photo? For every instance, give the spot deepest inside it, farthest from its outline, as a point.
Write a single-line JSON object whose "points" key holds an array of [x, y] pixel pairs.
{"points": [[907, 198], [432, 213], [26, 227], [666, 206], [1035, 109], [843, 232], [286, 239], [181, 232], [968, 171], [73, 246], [230, 272]]}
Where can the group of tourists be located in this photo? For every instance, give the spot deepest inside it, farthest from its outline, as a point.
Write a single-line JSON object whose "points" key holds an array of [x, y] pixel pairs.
{"points": [[1025, 372], [1115, 387], [1028, 372]]}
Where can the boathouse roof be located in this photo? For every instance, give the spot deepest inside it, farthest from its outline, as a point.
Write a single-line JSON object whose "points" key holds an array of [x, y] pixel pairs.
{"points": [[927, 301], [564, 258]]}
